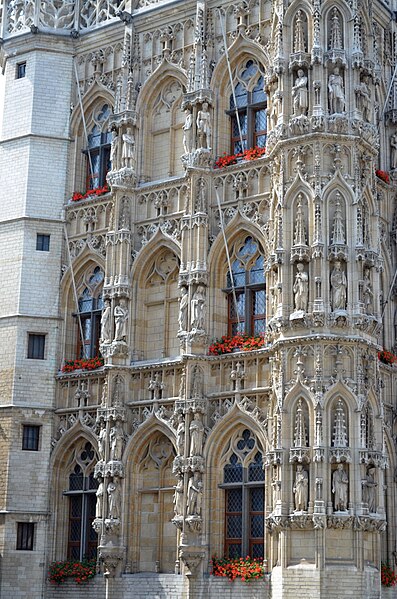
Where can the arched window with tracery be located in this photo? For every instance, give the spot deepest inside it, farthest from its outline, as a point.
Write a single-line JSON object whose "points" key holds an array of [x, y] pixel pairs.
{"points": [[251, 103], [243, 483], [90, 304], [247, 303], [81, 494], [98, 147]]}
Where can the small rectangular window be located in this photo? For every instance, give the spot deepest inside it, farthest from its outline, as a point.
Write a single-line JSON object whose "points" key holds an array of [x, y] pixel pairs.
{"points": [[21, 70], [42, 243], [36, 346], [25, 536], [30, 437]]}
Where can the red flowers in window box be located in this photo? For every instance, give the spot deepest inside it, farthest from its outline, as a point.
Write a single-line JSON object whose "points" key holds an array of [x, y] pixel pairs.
{"points": [[386, 357], [242, 342], [82, 364], [251, 154], [99, 191], [388, 576], [80, 571], [383, 175], [246, 568]]}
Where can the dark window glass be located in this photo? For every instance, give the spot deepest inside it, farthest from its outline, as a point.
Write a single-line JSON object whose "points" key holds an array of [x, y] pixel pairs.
{"points": [[36, 346], [25, 536], [30, 437], [98, 150], [21, 70], [90, 308], [43, 243]]}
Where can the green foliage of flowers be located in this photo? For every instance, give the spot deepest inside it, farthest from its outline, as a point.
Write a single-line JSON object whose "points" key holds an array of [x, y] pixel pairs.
{"points": [[88, 364], [226, 344], [80, 571], [388, 576], [246, 568]]}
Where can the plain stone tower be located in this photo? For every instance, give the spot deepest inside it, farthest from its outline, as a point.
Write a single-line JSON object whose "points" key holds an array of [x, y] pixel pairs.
{"points": [[198, 310]]}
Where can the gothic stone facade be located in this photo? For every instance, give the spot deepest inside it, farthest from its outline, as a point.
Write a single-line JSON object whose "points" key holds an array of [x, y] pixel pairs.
{"points": [[165, 455]]}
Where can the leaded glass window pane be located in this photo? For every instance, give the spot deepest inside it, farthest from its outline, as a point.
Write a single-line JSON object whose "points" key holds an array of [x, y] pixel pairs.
{"points": [[258, 94], [234, 550], [76, 479], [255, 469], [257, 550], [246, 443], [233, 471], [259, 302]]}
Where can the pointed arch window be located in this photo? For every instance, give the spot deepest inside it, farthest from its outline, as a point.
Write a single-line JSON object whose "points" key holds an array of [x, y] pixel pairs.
{"points": [[89, 312], [248, 313], [243, 482], [82, 539], [98, 148], [251, 104]]}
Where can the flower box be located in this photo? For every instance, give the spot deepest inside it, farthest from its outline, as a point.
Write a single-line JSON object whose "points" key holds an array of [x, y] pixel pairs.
{"points": [[239, 342], [383, 175], [386, 357], [82, 364], [251, 154], [242, 568], [90, 193]]}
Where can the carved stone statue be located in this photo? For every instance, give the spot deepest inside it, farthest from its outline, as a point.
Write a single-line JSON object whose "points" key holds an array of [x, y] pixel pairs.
{"points": [[102, 442], [301, 488], [198, 309], [363, 94], [196, 435], [340, 485], [194, 495], [393, 151], [300, 94], [114, 500], [338, 288], [301, 288], [120, 319], [128, 151], [106, 323], [116, 438], [99, 500], [204, 130], [197, 384], [369, 490], [183, 308], [178, 497], [188, 132], [114, 150], [368, 294], [336, 92], [180, 435]]}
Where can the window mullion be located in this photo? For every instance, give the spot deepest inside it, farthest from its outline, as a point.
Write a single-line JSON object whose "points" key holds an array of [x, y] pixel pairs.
{"points": [[83, 537]]}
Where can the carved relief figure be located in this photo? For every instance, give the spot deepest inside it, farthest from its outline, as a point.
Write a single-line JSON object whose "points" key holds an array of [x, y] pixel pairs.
{"points": [[99, 500], [128, 151], [183, 308], [340, 485], [196, 435], [114, 150], [301, 288], [178, 497], [180, 435], [116, 437], [188, 132], [363, 93], [120, 319], [336, 92], [393, 151], [301, 488], [338, 287], [106, 323], [198, 309], [300, 94], [204, 127], [114, 500], [102, 442], [194, 495], [369, 490], [368, 294]]}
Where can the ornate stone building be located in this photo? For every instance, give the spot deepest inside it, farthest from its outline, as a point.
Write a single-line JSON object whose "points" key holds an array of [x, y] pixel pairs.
{"points": [[165, 455]]}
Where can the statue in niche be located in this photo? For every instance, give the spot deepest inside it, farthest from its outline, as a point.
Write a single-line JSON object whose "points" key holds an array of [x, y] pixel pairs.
{"points": [[300, 94], [188, 132], [99, 500], [106, 323], [363, 93], [197, 386], [183, 308], [120, 319], [369, 490], [116, 438], [301, 488], [204, 127], [114, 149], [196, 430], [178, 497], [336, 92], [301, 288], [128, 151], [194, 495], [393, 151], [276, 109], [338, 287], [102, 442], [114, 500], [368, 294], [198, 309], [340, 485], [180, 435]]}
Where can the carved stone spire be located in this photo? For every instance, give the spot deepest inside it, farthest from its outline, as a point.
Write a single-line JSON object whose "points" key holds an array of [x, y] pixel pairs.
{"points": [[300, 437], [299, 34], [300, 228], [338, 230], [336, 34], [339, 437]]}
